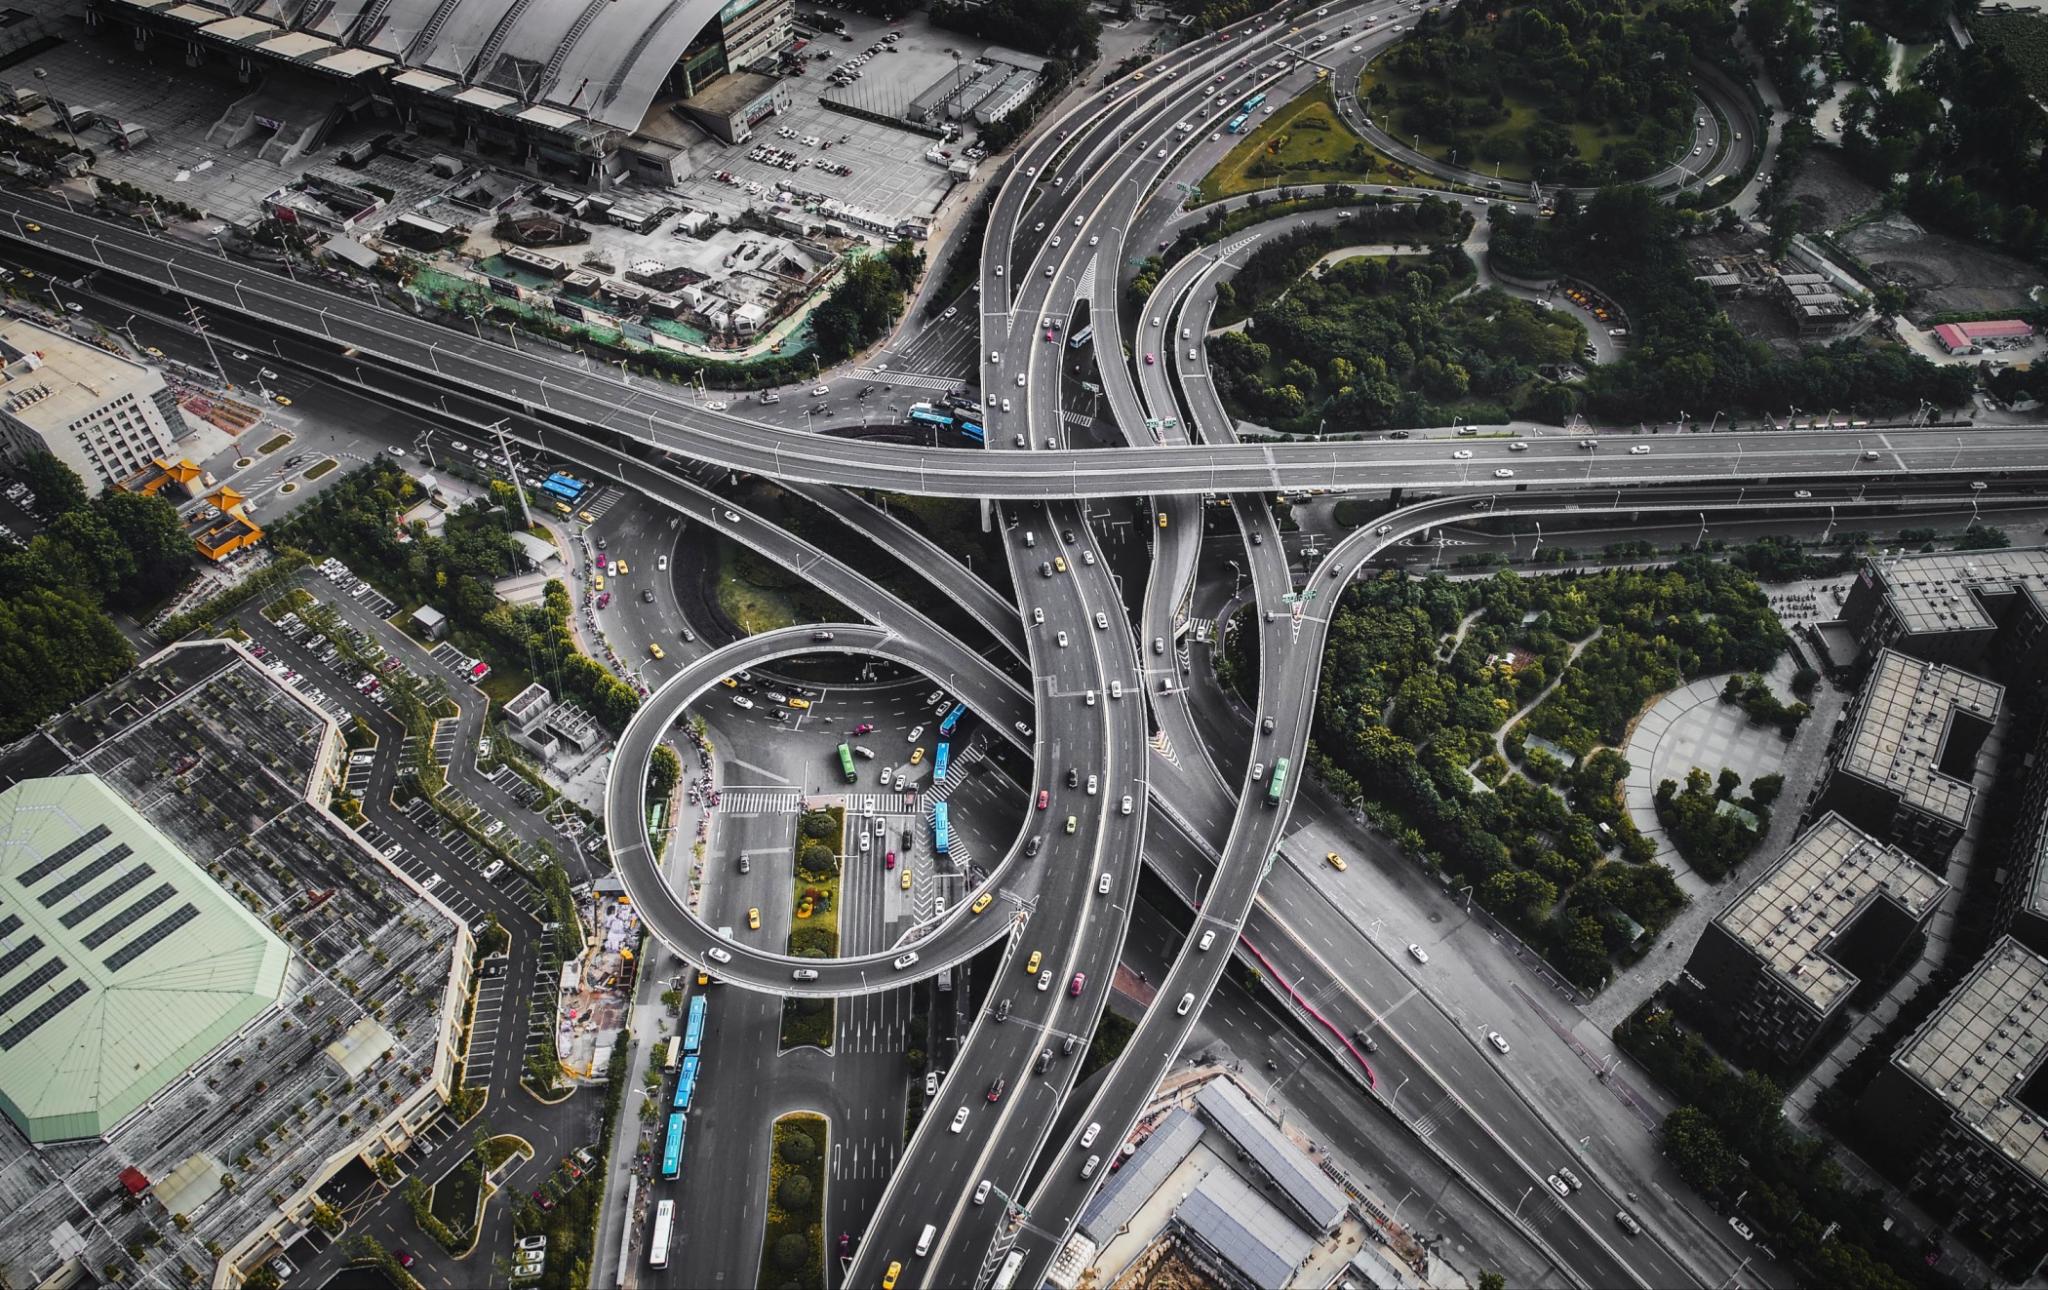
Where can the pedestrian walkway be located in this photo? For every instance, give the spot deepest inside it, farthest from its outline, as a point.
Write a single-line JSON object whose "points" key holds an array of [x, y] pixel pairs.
{"points": [[911, 380], [760, 801]]}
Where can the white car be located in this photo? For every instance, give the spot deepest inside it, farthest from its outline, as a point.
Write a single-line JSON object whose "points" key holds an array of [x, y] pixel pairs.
{"points": [[1187, 1001], [904, 960], [1020, 380], [1101, 621], [820, 391], [1493, 1037], [1063, 640], [1462, 454], [742, 701], [959, 1119], [1503, 473], [1558, 1185], [1102, 885], [661, 564], [1208, 939], [1802, 494], [1419, 954], [1639, 450], [916, 733], [951, 311], [717, 955], [995, 359], [1124, 807], [1518, 446], [1094, 241]]}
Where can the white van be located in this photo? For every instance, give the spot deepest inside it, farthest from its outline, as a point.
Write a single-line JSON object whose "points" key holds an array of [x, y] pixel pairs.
{"points": [[924, 1239]]}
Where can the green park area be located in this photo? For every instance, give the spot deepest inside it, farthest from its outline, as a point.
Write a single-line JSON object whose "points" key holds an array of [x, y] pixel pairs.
{"points": [[1547, 90], [1378, 340], [1303, 142], [1481, 722]]}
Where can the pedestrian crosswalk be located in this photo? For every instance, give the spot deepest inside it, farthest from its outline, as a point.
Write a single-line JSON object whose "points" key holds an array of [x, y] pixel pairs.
{"points": [[880, 803], [603, 500], [760, 801], [914, 380]]}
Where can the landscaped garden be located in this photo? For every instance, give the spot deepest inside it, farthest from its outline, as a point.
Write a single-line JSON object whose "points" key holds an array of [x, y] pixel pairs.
{"points": [[1479, 721], [1303, 142], [814, 923], [793, 1245], [1381, 340]]}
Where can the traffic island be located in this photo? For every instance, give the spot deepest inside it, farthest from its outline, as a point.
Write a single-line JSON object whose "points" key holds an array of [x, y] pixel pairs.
{"points": [[814, 921], [793, 1242]]}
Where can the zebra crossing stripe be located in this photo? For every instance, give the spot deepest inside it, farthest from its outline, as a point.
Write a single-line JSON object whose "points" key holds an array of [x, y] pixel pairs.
{"points": [[913, 380]]}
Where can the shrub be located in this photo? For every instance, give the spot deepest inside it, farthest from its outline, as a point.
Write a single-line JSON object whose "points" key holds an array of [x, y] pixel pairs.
{"points": [[798, 1149], [796, 1191], [792, 1250]]}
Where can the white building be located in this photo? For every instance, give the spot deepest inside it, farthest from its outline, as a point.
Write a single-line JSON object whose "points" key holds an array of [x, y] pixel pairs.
{"points": [[98, 413]]}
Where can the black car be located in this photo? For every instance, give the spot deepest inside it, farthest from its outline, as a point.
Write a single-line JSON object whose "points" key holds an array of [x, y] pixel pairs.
{"points": [[1073, 778], [746, 865], [1031, 847], [646, 595], [1364, 1041]]}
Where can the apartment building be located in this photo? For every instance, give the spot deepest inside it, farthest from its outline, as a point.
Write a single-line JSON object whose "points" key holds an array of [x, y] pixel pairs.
{"points": [[102, 415]]}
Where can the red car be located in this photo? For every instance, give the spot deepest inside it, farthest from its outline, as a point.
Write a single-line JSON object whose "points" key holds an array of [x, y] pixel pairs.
{"points": [[1048, 333], [1044, 799], [995, 1090], [601, 557], [889, 861], [603, 598], [480, 671], [863, 727], [1074, 988], [1149, 360]]}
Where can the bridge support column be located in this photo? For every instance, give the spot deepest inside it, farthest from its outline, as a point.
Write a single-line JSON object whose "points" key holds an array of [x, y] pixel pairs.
{"points": [[987, 516]]}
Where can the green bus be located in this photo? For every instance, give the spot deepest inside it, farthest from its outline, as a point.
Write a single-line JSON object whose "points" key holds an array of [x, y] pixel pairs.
{"points": [[846, 770], [1277, 783]]}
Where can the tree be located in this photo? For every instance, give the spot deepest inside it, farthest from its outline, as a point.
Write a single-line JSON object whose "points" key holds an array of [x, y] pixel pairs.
{"points": [[664, 771], [159, 552], [797, 1148], [1697, 1149], [57, 487], [792, 1250], [796, 1193]]}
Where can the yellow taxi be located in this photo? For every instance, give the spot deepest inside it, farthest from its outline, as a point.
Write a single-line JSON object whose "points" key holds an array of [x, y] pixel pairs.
{"points": [[754, 919], [729, 682], [981, 902], [1031, 964], [1059, 562], [801, 705], [916, 756], [598, 582], [586, 517], [562, 508], [619, 568], [281, 400], [33, 227], [654, 651], [906, 878], [1336, 861], [889, 1277], [1162, 519], [152, 351]]}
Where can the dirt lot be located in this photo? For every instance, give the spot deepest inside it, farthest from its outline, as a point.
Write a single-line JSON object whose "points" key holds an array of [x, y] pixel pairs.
{"points": [[1945, 274], [1832, 196]]}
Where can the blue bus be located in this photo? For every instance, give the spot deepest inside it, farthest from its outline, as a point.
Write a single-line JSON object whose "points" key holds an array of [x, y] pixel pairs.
{"points": [[940, 762], [974, 433], [930, 415], [693, 1031], [952, 718], [564, 488], [672, 1150], [1236, 123], [686, 1083], [1251, 104], [1081, 337], [942, 833]]}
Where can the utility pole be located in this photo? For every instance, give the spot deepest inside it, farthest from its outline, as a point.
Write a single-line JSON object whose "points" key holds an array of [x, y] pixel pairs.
{"points": [[505, 455], [199, 324]]}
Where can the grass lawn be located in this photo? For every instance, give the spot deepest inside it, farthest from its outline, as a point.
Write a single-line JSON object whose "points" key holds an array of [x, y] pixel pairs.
{"points": [[322, 468], [793, 1242], [761, 597], [290, 602], [274, 443], [1305, 142]]}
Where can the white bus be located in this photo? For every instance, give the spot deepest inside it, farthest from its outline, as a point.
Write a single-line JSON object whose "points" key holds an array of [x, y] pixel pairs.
{"points": [[657, 1248], [675, 1054], [1006, 1276]]}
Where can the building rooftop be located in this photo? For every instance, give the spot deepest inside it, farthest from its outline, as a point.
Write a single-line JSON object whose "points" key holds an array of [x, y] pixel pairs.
{"points": [[121, 963], [1939, 591], [1790, 915], [729, 94], [1903, 725], [1128, 1188], [1981, 1049], [59, 377], [1318, 1199], [1229, 1216]]}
